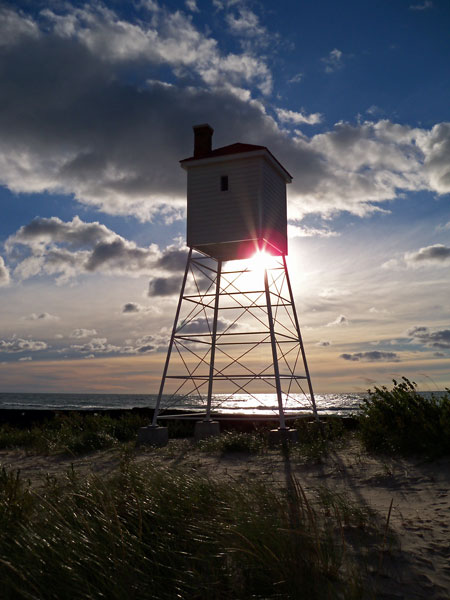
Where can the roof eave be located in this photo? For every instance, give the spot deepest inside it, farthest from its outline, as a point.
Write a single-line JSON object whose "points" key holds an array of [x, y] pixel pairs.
{"points": [[264, 152]]}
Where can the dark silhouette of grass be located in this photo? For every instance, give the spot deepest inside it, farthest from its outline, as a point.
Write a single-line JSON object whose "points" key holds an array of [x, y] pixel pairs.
{"points": [[164, 534], [401, 420]]}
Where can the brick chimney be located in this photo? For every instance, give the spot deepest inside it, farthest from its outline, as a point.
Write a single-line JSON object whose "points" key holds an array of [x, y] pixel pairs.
{"points": [[202, 140]]}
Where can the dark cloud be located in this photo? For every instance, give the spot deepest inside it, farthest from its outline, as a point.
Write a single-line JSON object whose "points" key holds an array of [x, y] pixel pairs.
{"points": [[75, 233], [439, 338], [201, 326], [131, 307], [435, 253], [372, 356], [144, 349], [323, 344], [122, 255], [173, 260], [164, 286]]}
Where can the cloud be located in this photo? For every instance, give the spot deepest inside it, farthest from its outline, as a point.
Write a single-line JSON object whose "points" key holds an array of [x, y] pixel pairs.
{"points": [[96, 346], [121, 140], [173, 259], [372, 356], [132, 307], [296, 231], [247, 24], [66, 249], [82, 333], [21, 345], [340, 320], [439, 338], [290, 116], [42, 317], [438, 253], [200, 325], [192, 5], [425, 5], [4, 273], [164, 286], [15, 27], [333, 62], [25, 358], [296, 78], [323, 344]]}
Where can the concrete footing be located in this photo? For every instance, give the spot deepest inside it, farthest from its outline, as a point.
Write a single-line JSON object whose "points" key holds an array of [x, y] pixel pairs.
{"points": [[204, 429], [280, 436], [153, 435]]}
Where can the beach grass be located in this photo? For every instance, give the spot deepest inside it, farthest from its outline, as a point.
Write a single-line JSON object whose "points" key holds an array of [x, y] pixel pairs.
{"points": [[147, 532]]}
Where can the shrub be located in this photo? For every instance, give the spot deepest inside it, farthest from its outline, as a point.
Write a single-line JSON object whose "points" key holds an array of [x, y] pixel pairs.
{"points": [[402, 420]]}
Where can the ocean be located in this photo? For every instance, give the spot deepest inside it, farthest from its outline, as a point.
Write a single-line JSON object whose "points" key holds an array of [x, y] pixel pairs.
{"points": [[241, 404]]}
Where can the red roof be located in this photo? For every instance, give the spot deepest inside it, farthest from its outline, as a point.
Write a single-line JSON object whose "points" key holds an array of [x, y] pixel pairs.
{"points": [[237, 148]]}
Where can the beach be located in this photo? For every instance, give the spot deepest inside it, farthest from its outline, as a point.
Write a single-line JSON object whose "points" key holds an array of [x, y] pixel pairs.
{"points": [[410, 497]]}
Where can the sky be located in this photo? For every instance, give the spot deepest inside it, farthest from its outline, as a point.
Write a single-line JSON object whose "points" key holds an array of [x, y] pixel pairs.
{"points": [[98, 100]]}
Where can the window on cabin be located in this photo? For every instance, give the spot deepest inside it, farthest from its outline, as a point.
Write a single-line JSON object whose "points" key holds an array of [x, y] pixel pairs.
{"points": [[224, 183]]}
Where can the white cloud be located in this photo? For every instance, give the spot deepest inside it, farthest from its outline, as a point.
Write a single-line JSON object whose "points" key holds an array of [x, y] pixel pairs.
{"points": [[340, 320], [96, 346], [16, 344], [66, 249], [81, 333], [333, 62], [41, 317], [290, 116], [15, 26], [296, 78], [425, 5], [246, 24], [4, 273], [298, 231], [192, 5]]}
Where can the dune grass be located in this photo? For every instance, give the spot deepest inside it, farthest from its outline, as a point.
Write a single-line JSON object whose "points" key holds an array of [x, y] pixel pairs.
{"points": [[73, 432], [401, 420], [164, 534]]}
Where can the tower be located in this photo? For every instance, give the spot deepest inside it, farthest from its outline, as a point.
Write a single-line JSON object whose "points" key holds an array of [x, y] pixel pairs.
{"points": [[236, 325]]}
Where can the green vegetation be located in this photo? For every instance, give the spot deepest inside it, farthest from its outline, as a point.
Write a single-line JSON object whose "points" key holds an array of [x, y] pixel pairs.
{"points": [[316, 440], [234, 441], [404, 421], [164, 534], [73, 433]]}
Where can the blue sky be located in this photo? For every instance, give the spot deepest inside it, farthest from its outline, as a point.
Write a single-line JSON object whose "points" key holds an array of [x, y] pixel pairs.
{"points": [[98, 102]]}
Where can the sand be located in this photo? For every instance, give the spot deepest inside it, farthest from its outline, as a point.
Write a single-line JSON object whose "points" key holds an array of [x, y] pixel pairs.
{"points": [[419, 565]]}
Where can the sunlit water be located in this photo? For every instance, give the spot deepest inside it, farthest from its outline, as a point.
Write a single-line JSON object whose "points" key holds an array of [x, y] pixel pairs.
{"points": [[258, 405]]}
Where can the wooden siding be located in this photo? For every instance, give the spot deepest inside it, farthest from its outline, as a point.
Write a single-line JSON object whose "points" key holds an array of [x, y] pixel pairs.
{"points": [[214, 216], [274, 210]]}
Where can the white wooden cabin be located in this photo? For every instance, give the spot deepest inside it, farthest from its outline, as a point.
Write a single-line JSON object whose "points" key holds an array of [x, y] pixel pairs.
{"points": [[236, 199]]}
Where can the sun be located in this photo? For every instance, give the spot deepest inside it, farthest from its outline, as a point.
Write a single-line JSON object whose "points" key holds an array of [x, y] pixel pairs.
{"points": [[260, 260]]}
